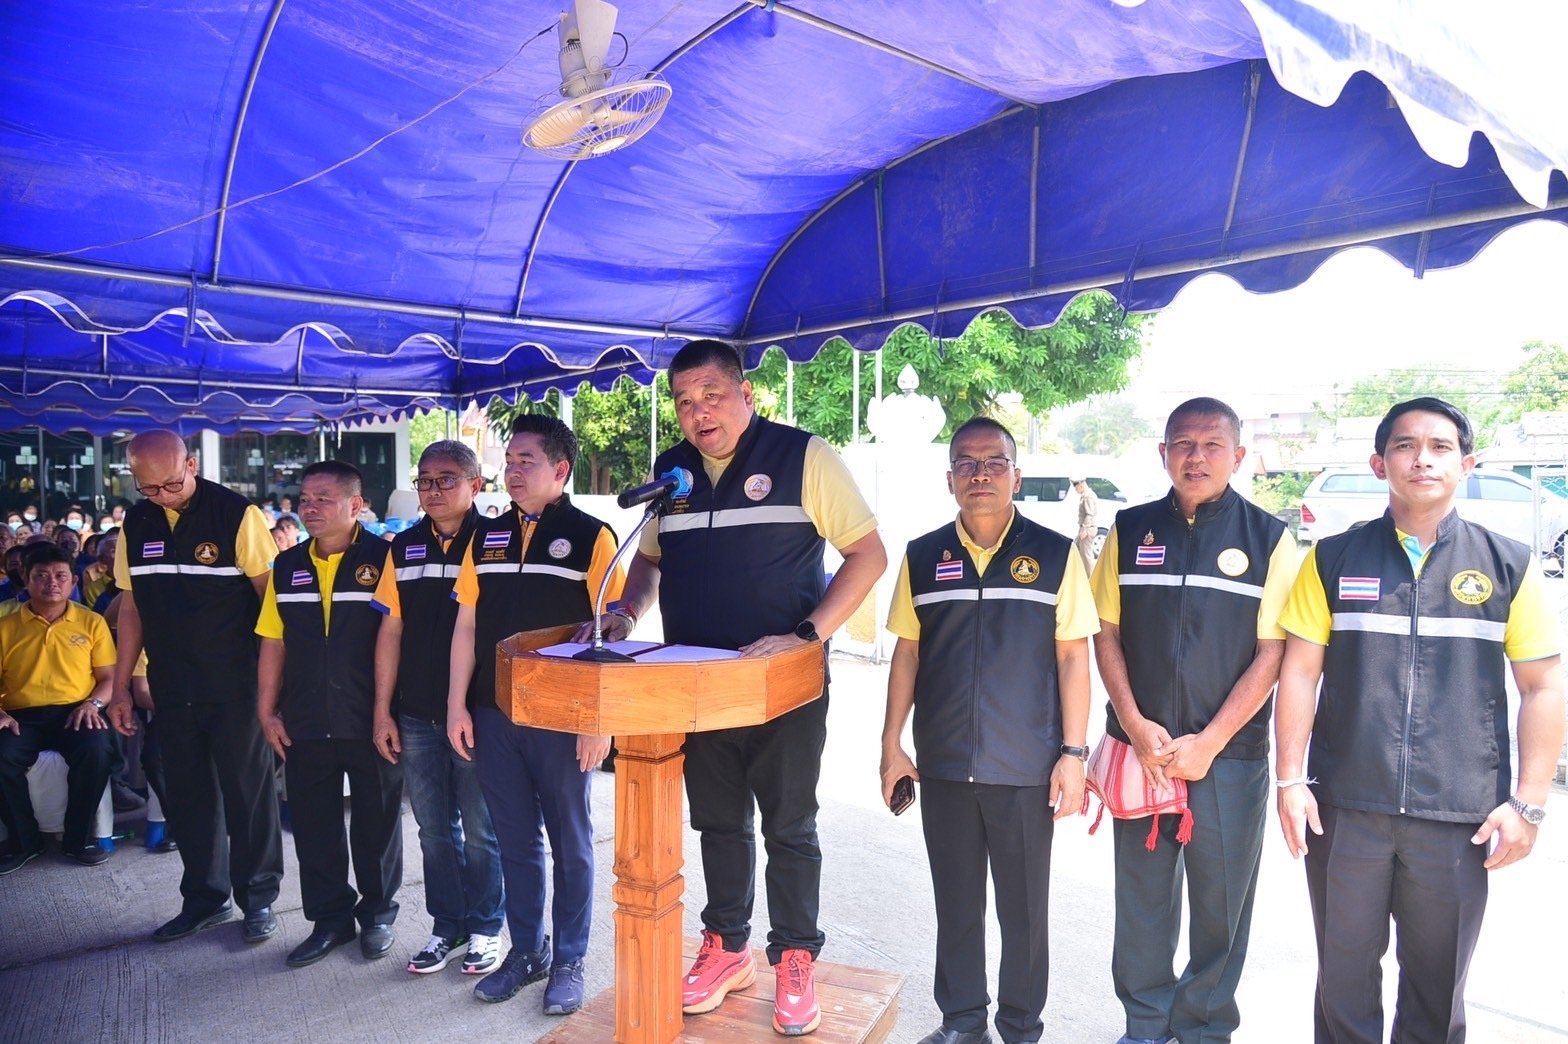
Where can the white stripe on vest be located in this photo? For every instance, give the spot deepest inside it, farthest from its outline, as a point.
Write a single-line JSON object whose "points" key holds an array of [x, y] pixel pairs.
{"points": [[188, 570], [1214, 583], [1426, 626]]}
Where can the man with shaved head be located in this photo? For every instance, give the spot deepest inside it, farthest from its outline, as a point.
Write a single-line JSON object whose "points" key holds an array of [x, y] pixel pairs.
{"points": [[193, 562]]}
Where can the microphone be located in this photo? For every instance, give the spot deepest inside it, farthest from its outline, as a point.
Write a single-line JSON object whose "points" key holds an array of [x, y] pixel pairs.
{"points": [[676, 481]]}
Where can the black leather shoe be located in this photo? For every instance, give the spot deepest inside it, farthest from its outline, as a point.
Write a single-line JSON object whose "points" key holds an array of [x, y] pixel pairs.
{"points": [[375, 941], [90, 854], [260, 925], [185, 923], [952, 1036], [321, 941]]}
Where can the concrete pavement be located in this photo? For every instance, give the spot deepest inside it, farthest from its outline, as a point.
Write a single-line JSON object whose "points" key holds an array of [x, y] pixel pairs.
{"points": [[76, 963]]}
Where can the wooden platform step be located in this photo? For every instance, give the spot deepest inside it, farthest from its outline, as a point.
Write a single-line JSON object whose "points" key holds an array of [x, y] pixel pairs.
{"points": [[859, 1006]]}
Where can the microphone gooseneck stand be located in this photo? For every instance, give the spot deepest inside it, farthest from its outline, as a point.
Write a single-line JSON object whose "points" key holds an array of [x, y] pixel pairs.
{"points": [[597, 651]]}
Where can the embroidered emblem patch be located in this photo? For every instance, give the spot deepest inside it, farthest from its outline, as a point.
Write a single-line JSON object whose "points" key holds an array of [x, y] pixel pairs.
{"points": [[560, 548], [207, 553], [497, 538], [414, 553], [81, 641], [367, 575], [758, 486], [1025, 569], [950, 570], [1360, 588], [1148, 538], [301, 578], [1150, 556], [1233, 561], [1471, 587], [154, 549], [947, 556]]}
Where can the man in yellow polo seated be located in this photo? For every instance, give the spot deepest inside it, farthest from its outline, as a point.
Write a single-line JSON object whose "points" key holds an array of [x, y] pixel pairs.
{"points": [[56, 669]]}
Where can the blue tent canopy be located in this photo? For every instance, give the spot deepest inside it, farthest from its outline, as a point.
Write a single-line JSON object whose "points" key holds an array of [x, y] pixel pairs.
{"points": [[272, 214]]}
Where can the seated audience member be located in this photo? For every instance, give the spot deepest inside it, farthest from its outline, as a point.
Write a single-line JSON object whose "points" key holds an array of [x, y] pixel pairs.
{"points": [[98, 577], [56, 670]]}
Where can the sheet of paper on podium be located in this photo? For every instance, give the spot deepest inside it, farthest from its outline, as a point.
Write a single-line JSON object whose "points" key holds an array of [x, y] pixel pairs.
{"points": [[645, 652]]}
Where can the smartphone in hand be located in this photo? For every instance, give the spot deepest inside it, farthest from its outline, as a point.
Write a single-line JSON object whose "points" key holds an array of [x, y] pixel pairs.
{"points": [[903, 795]]}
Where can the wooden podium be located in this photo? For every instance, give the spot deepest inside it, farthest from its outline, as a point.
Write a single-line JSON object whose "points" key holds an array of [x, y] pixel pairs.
{"points": [[649, 707]]}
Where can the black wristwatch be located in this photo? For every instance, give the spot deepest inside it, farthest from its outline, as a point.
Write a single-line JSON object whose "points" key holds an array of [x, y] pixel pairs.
{"points": [[807, 631], [1069, 751]]}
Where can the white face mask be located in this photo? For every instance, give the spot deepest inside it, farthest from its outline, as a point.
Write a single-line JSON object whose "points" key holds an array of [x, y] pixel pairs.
{"points": [[74, 524], [30, 516]]}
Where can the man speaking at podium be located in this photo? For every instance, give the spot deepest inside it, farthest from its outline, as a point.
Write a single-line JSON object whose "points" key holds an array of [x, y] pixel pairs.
{"points": [[737, 564]]}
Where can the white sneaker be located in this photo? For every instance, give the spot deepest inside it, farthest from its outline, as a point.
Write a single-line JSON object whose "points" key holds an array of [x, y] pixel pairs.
{"points": [[484, 951], [438, 952]]}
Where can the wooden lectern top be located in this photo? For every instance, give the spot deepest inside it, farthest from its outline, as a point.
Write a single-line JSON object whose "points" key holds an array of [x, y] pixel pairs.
{"points": [[638, 699]]}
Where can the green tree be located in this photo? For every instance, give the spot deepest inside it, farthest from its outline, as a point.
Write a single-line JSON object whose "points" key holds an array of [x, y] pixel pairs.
{"points": [[1540, 383], [1108, 429], [427, 428], [1476, 393], [1281, 492], [1085, 353]]}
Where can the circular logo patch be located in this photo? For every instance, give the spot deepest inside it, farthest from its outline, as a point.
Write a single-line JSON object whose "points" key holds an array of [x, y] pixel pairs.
{"points": [[1471, 587], [758, 486], [367, 575], [560, 548], [1233, 561], [1025, 569], [207, 553]]}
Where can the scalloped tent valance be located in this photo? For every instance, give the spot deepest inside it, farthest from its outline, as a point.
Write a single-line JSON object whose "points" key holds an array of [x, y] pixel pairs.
{"points": [[266, 215]]}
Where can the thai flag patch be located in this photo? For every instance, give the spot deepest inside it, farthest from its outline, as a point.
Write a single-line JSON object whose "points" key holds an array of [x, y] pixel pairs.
{"points": [[301, 577], [153, 549], [498, 538], [1150, 556], [414, 553], [1359, 588], [953, 570]]}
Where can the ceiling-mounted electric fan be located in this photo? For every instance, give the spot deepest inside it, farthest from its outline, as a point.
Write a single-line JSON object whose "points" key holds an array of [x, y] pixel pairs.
{"points": [[597, 115]]}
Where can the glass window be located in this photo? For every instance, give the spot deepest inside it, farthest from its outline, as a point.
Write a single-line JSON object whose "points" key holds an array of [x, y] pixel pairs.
{"points": [[1489, 487]]}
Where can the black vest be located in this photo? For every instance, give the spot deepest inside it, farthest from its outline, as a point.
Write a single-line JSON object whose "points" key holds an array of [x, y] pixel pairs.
{"points": [[1413, 716], [987, 708], [198, 608], [329, 679], [546, 587], [1189, 623], [741, 560], [426, 575]]}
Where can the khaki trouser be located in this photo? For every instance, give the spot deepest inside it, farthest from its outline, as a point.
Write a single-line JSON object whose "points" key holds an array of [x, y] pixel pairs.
{"points": [[1085, 544]]}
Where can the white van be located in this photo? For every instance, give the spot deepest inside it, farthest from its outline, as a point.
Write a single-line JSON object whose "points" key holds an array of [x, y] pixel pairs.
{"points": [[1049, 499]]}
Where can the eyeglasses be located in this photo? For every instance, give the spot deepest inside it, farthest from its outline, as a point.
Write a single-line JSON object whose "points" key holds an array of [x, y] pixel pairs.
{"points": [[442, 482], [968, 467], [168, 487]]}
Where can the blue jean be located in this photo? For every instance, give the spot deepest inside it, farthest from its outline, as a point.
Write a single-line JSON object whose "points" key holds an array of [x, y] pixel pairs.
{"points": [[456, 838], [534, 786]]}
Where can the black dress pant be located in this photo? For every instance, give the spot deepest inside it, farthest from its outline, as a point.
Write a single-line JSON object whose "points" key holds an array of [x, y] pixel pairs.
{"points": [[774, 768], [314, 771], [970, 827], [87, 754], [221, 802], [1427, 876]]}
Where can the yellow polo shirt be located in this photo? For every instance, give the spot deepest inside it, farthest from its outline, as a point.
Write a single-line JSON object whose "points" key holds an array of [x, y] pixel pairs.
{"points": [[828, 496], [1075, 615], [466, 590], [270, 625], [1276, 585], [1529, 634], [45, 664], [254, 548]]}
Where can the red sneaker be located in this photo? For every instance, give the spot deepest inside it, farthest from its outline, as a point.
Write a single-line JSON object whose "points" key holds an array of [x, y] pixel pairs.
{"points": [[714, 974], [795, 1011]]}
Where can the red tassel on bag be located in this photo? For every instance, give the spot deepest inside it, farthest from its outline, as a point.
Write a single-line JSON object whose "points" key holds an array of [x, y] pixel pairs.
{"points": [[1184, 832], [1154, 831]]}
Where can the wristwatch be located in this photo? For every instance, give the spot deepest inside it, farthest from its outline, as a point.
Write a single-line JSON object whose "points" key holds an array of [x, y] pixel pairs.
{"points": [[1532, 814], [807, 631], [621, 609], [1069, 751], [98, 705]]}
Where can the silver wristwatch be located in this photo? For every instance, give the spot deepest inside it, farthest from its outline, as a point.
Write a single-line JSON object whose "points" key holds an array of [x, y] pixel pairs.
{"points": [[1532, 814], [98, 705]]}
